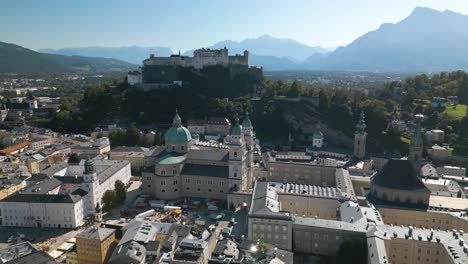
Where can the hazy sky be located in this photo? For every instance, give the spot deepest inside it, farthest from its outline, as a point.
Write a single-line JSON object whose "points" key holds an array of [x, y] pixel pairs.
{"points": [[188, 24]]}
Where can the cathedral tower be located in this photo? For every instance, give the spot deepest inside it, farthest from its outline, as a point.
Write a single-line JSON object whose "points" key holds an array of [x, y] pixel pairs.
{"points": [[237, 158]]}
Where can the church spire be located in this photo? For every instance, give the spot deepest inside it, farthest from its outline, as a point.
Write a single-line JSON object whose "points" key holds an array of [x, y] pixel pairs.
{"points": [[361, 125], [416, 145], [236, 128], [360, 138], [176, 121], [89, 167], [246, 122]]}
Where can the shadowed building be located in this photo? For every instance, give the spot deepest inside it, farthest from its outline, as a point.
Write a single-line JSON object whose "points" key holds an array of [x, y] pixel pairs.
{"points": [[398, 183]]}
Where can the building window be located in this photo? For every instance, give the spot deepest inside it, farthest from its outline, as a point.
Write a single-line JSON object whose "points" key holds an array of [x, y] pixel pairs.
{"points": [[149, 185], [163, 172], [210, 182], [175, 182], [163, 190], [175, 190], [163, 182], [209, 190], [235, 154], [174, 172], [187, 180]]}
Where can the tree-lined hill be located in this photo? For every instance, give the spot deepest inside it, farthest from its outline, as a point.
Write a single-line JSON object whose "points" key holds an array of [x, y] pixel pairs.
{"points": [[16, 59], [132, 54]]}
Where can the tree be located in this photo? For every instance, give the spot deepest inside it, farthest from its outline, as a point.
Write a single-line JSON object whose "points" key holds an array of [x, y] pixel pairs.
{"points": [[74, 158], [463, 89], [110, 200], [120, 191], [296, 89], [118, 138], [324, 103], [133, 135]]}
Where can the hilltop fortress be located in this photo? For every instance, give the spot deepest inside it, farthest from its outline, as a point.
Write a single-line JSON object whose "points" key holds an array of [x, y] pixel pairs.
{"points": [[166, 70]]}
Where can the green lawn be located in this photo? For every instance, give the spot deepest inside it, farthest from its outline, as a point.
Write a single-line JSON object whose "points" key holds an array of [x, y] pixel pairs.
{"points": [[458, 113], [85, 68]]}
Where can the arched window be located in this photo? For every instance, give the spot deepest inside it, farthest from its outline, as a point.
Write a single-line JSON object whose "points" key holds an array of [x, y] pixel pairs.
{"points": [[235, 154]]}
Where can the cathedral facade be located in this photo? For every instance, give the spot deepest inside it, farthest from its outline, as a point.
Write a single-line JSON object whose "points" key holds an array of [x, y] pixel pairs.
{"points": [[186, 167]]}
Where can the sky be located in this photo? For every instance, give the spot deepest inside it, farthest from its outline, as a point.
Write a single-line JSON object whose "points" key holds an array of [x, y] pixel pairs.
{"points": [[188, 24]]}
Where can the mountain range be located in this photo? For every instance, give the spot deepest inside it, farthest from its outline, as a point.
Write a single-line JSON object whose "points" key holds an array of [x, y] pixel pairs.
{"points": [[266, 51], [269, 46], [16, 59], [132, 54], [427, 40]]}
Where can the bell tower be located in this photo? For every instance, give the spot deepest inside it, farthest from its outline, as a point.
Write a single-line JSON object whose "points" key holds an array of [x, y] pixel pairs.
{"points": [[360, 137], [237, 158], [416, 145]]}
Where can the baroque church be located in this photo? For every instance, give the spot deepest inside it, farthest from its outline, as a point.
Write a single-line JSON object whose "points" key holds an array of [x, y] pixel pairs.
{"points": [[187, 167]]}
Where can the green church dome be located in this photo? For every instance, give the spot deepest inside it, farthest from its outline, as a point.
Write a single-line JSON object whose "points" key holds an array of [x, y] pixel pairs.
{"points": [[318, 133], [177, 135]]}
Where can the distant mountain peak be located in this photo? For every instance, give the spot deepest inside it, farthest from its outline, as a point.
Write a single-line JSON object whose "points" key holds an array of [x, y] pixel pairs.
{"points": [[426, 40], [269, 46], [421, 11]]}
